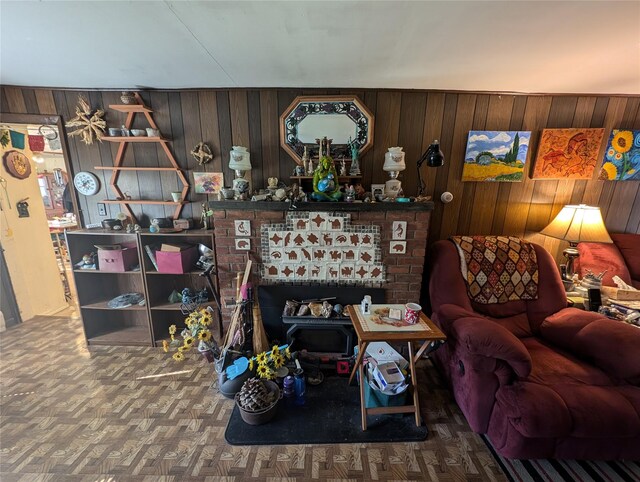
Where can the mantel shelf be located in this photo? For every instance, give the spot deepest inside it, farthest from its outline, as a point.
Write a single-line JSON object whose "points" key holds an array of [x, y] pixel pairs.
{"points": [[339, 177], [134, 139], [142, 201], [130, 108], [121, 168]]}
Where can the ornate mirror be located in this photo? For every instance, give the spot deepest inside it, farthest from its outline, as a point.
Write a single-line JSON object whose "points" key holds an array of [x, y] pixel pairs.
{"points": [[337, 117]]}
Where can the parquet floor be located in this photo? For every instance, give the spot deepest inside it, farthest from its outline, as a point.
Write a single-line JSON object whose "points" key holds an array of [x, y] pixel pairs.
{"points": [[68, 413]]}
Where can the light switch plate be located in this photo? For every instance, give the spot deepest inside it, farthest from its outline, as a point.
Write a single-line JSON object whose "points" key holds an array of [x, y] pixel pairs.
{"points": [[102, 209]]}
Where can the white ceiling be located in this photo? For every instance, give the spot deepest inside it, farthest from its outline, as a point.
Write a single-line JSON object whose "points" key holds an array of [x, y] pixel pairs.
{"points": [[522, 46]]}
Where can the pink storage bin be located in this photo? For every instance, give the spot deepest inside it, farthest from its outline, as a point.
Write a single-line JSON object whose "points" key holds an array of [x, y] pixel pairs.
{"points": [[176, 262], [117, 260]]}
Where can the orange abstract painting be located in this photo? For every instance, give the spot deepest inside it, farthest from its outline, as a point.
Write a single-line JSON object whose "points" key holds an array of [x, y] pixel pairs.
{"points": [[567, 153]]}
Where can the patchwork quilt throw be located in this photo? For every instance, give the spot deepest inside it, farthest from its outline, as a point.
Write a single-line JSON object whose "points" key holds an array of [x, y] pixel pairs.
{"points": [[498, 269]]}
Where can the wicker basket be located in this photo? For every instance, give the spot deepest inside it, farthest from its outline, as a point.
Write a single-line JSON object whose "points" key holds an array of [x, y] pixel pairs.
{"points": [[266, 414]]}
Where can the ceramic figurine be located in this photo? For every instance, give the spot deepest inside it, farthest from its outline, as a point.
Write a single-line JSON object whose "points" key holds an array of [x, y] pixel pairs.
{"points": [[349, 194], [272, 183], [343, 168], [154, 228], [355, 164], [325, 181]]}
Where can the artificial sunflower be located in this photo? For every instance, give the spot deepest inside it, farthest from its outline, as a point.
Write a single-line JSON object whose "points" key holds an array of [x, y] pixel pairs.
{"points": [[178, 356], [287, 352], [251, 365], [261, 358], [188, 341], [622, 141], [165, 346], [263, 371], [183, 348], [275, 352], [609, 171], [206, 318], [172, 329], [278, 361], [204, 335], [188, 322]]}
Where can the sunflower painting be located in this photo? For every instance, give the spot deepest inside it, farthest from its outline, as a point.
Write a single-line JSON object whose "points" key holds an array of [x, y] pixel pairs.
{"points": [[567, 153], [622, 158]]}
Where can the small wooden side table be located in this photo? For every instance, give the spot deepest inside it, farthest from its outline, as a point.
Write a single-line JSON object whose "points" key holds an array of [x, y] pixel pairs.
{"points": [[425, 331]]}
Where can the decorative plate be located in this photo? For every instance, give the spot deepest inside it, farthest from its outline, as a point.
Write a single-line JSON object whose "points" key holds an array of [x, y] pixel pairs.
{"points": [[17, 164]]}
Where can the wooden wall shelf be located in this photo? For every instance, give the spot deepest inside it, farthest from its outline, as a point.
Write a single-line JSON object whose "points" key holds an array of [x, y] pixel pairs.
{"points": [[131, 110], [131, 107], [134, 139], [123, 168], [142, 201]]}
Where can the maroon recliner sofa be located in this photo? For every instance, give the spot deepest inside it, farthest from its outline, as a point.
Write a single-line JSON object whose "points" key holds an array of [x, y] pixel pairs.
{"points": [[539, 379]]}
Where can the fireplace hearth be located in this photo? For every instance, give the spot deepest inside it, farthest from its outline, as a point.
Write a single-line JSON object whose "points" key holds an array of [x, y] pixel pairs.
{"points": [[317, 335]]}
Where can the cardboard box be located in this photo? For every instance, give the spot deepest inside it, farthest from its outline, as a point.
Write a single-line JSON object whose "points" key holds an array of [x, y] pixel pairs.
{"points": [[117, 260], [388, 376], [176, 262], [622, 295], [382, 352]]}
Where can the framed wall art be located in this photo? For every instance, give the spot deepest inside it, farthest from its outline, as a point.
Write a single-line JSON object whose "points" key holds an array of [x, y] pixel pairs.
{"points": [[622, 157], [207, 182], [498, 156], [567, 153]]}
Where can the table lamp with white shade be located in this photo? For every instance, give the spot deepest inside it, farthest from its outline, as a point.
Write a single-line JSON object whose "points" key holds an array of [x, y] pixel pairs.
{"points": [[577, 223], [393, 164], [240, 162]]}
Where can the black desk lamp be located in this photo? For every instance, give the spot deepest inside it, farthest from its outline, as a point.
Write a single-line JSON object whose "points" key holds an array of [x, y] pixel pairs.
{"points": [[434, 157]]}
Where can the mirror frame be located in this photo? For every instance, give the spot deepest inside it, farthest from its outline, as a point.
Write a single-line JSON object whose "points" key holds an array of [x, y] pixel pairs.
{"points": [[305, 105]]}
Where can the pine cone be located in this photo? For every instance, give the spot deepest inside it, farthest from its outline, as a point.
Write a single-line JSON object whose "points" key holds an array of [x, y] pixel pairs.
{"points": [[254, 395]]}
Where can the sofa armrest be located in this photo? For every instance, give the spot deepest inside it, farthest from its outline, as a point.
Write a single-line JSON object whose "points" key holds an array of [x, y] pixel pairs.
{"points": [[609, 344], [481, 337]]}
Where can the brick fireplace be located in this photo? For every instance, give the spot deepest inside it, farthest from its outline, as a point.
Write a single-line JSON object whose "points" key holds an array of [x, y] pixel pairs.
{"points": [[390, 240]]}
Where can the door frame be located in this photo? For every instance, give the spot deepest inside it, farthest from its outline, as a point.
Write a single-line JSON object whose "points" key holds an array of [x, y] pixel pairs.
{"points": [[8, 302], [7, 118]]}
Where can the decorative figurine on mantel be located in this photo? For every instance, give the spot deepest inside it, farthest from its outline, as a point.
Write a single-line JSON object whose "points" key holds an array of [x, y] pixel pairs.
{"points": [[343, 168], [307, 163], [355, 164], [206, 214], [325, 177]]}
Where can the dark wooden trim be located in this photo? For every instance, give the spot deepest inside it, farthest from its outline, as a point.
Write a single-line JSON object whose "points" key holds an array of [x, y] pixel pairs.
{"points": [[328, 90], [319, 206]]}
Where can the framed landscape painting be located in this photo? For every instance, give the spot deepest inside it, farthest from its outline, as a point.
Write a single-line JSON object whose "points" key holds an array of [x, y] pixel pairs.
{"points": [[567, 153], [622, 158], [207, 182], [496, 156]]}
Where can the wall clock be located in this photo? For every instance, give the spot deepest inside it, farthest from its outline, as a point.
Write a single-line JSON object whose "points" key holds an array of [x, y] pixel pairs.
{"points": [[86, 183], [17, 164]]}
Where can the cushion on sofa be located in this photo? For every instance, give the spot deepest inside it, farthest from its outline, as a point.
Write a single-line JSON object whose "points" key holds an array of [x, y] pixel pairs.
{"points": [[599, 257], [629, 246], [610, 345]]}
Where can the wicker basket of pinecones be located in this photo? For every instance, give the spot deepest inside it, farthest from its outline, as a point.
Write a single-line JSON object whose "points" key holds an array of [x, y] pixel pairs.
{"points": [[257, 400]]}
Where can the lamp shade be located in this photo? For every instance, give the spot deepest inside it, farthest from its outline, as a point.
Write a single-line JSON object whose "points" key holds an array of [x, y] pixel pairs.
{"points": [[239, 159], [434, 156], [577, 224], [394, 160]]}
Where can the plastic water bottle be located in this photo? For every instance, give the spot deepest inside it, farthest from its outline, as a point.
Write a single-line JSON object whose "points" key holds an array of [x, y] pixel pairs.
{"points": [[300, 386], [288, 389]]}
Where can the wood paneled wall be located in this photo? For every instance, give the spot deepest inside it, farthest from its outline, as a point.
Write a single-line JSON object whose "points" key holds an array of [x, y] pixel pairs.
{"points": [[411, 119]]}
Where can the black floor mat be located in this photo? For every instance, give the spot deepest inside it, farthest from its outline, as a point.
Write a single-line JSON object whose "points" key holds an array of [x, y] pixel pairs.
{"points": [[331, 414]]}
